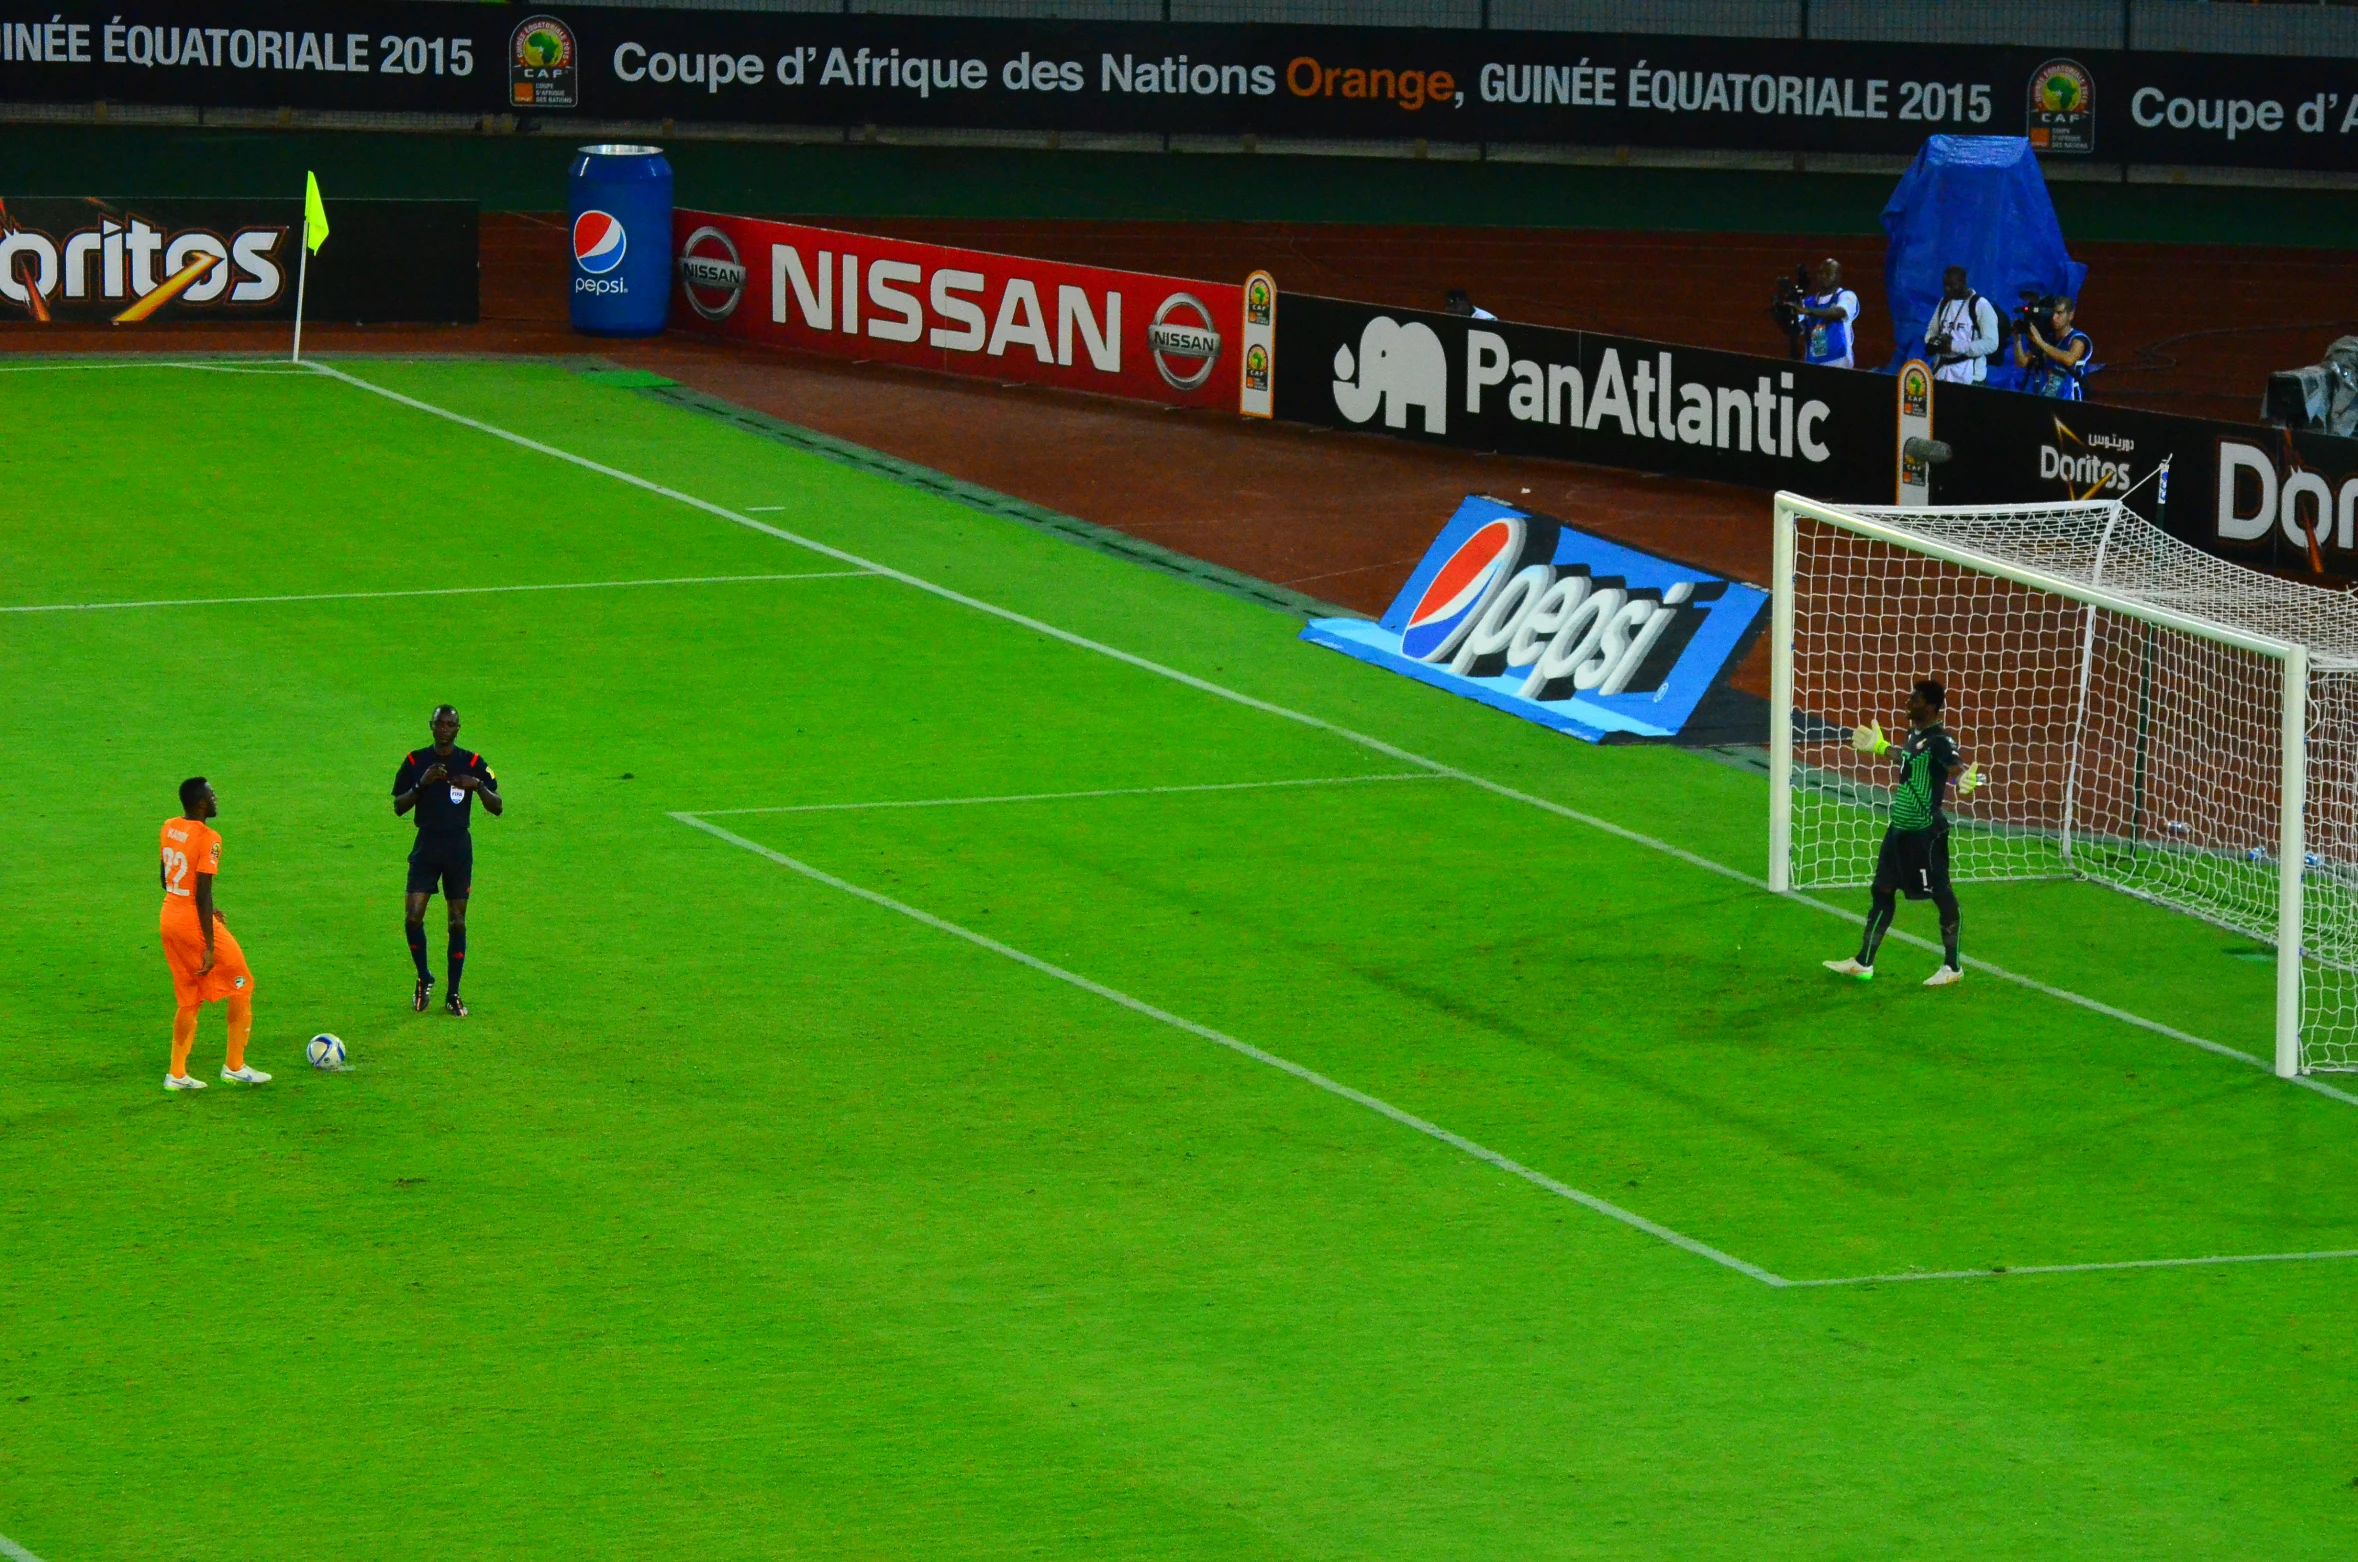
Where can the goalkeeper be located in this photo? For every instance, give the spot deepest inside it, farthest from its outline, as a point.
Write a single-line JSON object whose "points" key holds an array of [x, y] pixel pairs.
{"points": [[1915, 858]]}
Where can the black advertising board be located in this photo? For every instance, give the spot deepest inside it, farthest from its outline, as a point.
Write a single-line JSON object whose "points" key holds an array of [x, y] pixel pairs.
{"points": [[1581, 396], [1399, 84], [138, 262], [2259, 496]]}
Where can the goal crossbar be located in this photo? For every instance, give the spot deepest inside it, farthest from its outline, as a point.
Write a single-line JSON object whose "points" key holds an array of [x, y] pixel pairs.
{"points": [[2157, 578]]}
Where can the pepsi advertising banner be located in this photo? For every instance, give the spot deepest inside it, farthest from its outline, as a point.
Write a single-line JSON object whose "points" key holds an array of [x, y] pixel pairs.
{"points": [[1532, 617], [2266, 498], [1387, 83], [161, 262], [1581, 396]]}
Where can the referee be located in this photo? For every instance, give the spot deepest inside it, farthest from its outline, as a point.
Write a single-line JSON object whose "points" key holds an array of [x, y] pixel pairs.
{"points": [[1914, 860], [442, 782]]}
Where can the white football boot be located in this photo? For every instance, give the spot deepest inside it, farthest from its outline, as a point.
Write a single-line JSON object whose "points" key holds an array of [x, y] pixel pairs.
{"points": [[182, 1082], [1945, 975], [1865, 973], [249, 1075]]}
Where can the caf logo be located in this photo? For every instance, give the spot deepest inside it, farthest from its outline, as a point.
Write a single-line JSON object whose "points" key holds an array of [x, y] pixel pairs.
{"points": [[2061, 116], [544, 65]]}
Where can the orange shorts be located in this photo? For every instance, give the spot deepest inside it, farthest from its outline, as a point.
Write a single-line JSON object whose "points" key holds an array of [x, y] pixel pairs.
{"points": [[184, 952]]}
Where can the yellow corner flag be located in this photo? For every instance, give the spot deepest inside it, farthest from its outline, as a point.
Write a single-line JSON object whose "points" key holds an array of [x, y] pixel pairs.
{"points": [[315, 223]]}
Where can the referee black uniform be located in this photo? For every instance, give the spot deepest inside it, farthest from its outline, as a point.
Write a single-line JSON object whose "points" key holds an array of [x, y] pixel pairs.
{"points": [[444, 856]]}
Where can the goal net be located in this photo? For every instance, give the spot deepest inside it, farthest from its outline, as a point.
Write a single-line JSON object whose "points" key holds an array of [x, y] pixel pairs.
{"points": [[2144, 715]]}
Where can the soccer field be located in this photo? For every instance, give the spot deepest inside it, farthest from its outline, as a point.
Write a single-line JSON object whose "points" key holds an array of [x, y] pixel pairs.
{"points": [[984, 1049]]}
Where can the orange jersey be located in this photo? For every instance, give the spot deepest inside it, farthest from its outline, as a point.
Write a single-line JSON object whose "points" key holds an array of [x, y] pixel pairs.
{"points": [[190, 847]]}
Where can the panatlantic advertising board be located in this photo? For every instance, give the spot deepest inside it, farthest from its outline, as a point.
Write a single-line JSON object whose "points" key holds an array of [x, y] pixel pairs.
{"points": [[1392, 83], [858, 295], [1581, 396], [137, 262], [1528, 615]]}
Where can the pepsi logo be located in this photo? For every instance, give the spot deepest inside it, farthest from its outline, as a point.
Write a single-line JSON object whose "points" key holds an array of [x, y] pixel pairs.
{"points": [[598, 242], [1461, 589]]}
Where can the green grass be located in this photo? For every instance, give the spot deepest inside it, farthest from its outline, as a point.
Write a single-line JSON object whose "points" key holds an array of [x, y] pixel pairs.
{"points": [[747, 1219]]}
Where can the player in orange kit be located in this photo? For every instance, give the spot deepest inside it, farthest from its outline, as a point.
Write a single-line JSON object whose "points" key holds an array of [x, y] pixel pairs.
{"points": [[206, 963]]}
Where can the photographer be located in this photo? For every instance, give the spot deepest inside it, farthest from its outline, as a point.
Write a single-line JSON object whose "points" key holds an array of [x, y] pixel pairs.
{"points": [[1828, 315], [2054, 361], [1962, 333]]}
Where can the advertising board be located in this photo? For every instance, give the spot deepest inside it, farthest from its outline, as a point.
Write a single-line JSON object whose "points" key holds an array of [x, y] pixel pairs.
{"points": [[648, 64], [2259, 496], [1583, 396], [857, 295], [135, 261], [1526, 614]]}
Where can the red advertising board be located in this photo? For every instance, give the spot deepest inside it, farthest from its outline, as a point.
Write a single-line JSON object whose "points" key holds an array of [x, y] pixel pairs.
{"points": [[858, 295]]}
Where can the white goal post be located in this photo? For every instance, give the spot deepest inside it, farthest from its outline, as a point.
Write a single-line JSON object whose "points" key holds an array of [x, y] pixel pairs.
{"points": [[2144, 715]]}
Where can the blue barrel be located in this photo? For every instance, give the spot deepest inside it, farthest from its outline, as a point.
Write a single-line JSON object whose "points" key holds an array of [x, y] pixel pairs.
{"points": [[621, 198]]}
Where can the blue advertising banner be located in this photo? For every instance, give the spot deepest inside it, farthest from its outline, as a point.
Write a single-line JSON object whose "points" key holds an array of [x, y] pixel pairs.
{"points": [[1529, 615]]}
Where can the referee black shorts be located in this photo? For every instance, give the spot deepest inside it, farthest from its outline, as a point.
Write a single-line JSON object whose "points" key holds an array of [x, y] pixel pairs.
{"points": [[1915, 863], [447, 866]]}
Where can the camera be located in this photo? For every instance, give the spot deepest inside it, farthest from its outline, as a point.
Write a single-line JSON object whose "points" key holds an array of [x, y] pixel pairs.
{"points": [[1785, 308], [2036, 309], [2323, 396]]}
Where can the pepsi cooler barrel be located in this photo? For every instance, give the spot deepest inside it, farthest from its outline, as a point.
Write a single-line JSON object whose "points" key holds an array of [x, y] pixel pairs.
{"points": [[621, 202]]}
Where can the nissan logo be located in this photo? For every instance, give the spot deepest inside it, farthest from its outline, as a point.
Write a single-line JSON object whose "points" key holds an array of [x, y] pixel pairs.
{"points": [[1184, 339], [713, 282]]}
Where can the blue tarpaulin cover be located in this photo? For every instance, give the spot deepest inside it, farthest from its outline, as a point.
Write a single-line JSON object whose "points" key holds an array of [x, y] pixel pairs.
{"points": [[1979, 202]]}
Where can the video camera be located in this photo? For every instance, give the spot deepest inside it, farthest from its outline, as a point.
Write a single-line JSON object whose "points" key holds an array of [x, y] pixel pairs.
{"points": [[2323, 396], [1785, 308], [2036, 309]]}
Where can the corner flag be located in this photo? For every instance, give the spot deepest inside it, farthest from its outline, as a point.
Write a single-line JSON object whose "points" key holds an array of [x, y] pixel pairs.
{"points": [[315, 232], [315, 223]]}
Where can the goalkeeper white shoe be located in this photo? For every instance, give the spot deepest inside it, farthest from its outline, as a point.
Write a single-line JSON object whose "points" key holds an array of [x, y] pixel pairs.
{"points": [[1865, 973], [182, 1082], [1945, 975], [249, 1075]]}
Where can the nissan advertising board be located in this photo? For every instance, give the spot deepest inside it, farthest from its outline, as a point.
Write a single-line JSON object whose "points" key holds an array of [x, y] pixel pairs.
{"points": [[857, 295]]}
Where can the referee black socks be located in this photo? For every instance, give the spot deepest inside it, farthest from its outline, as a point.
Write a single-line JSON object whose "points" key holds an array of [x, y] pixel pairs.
{"points": [[417, 948], [458, 959]]}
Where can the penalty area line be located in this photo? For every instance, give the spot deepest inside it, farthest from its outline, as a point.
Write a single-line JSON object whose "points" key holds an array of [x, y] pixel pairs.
{"points": [[1245, 1048], [432, 591], [1050, 797], [14, 1552], [1303, 718]]}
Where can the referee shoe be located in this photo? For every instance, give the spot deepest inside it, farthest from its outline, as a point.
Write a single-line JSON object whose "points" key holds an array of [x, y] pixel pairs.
{"points": [[423, 996]]}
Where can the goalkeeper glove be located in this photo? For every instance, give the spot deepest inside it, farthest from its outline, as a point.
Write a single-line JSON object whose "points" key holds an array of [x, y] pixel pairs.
{"points": [[1968, 781], [1869, 739]]}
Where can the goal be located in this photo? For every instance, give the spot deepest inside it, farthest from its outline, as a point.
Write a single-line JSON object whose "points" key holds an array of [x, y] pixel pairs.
{"points": [[2145, 716]]}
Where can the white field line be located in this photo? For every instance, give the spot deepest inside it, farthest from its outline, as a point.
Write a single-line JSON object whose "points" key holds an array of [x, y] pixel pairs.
{"points": [[438, 591], [1247, 1049], [1050, 797], [15, 1552], [1378, 745], [2083, 1269], [156, 363]]}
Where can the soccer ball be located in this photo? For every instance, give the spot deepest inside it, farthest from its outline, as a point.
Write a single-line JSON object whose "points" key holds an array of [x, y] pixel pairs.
{"points": [[325, 1051]]}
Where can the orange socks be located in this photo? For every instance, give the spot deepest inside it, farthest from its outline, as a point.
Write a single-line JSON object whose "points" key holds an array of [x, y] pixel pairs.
{"points": [[241, 1025], [183, 1038]]}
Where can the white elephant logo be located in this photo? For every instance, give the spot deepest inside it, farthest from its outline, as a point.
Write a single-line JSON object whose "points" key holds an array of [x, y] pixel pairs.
{"points": [[1404, 363]]}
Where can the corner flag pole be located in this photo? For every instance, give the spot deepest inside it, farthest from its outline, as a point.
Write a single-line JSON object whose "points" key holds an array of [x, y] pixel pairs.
{"points": [[315, 232]]}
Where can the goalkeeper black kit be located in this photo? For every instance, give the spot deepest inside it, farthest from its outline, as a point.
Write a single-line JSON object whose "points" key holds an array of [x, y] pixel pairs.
{"points": [[1914, 860]]}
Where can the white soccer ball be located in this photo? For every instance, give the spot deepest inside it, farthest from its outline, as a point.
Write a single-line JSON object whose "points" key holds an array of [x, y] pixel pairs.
{"points": [[325, 1051]]}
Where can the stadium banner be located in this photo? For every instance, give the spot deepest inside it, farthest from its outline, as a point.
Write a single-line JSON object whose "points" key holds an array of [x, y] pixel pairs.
{"points": [[1530, 616], [1582, 396], [858, 295], [651, 64], [215, 262], [2267, 498]]}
